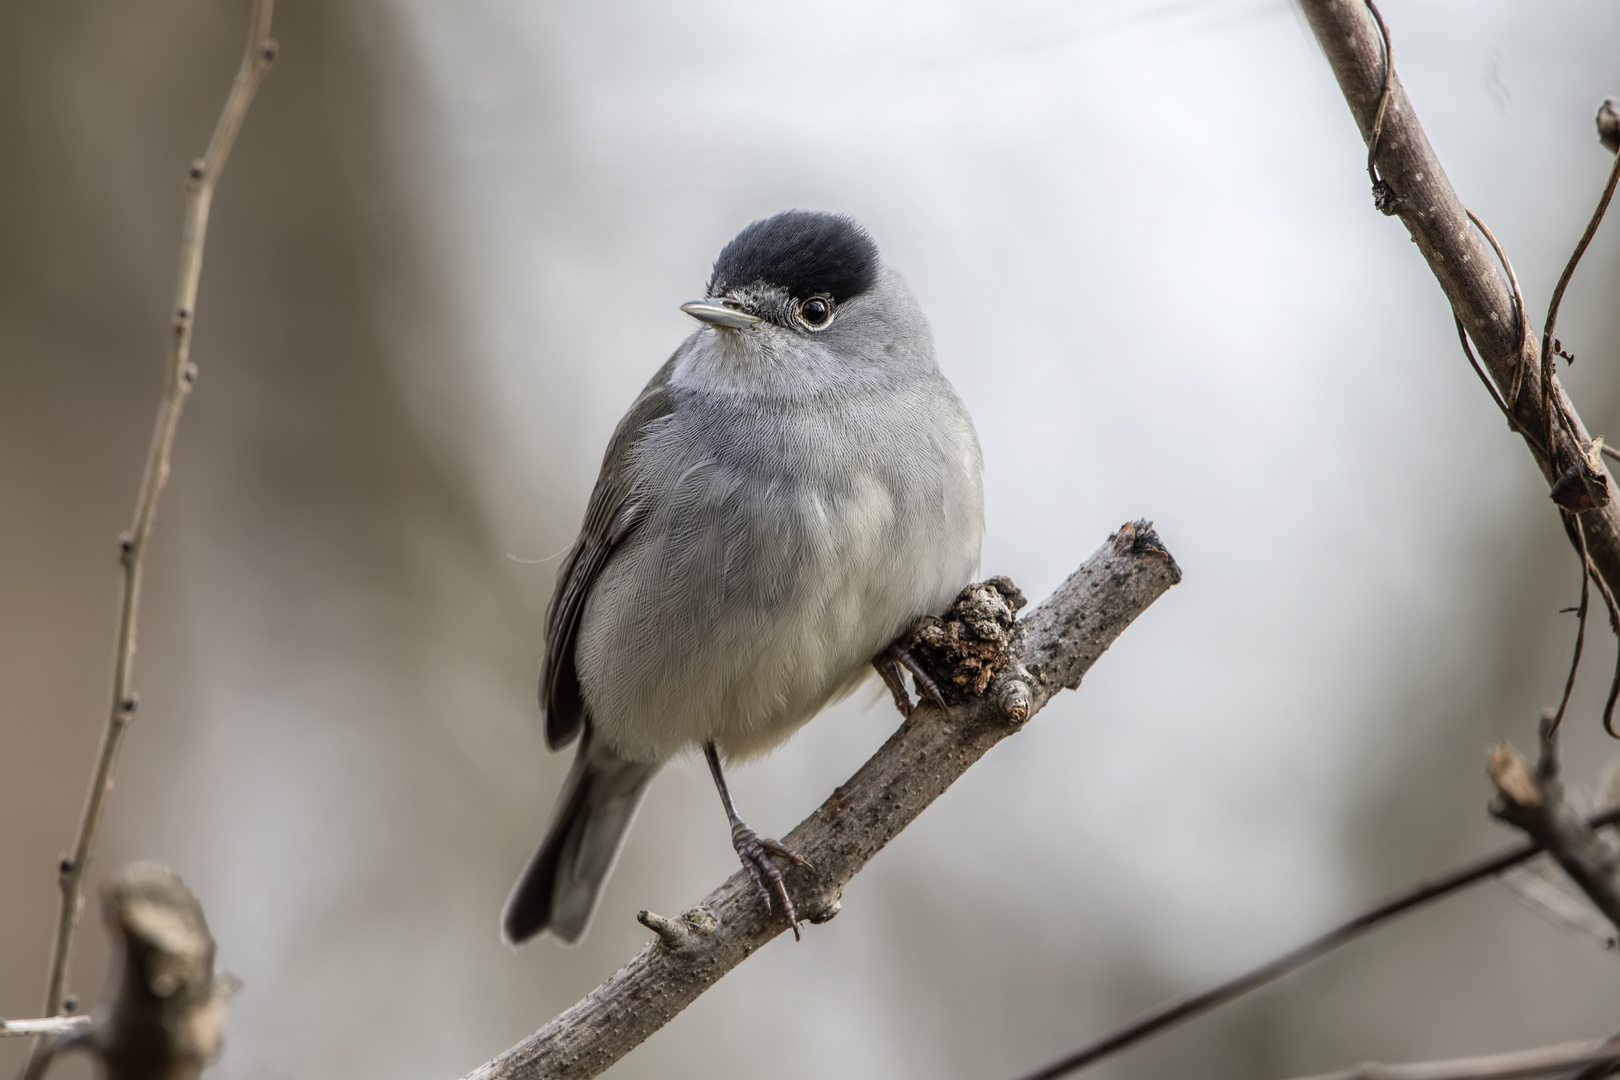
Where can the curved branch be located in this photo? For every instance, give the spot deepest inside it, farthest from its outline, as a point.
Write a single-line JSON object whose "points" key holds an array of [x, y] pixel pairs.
{"points": [[1459, 257], [1058, 643]]}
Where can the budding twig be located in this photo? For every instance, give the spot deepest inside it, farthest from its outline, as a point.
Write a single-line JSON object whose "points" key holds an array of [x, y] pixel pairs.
{"points": [[201, 179]]}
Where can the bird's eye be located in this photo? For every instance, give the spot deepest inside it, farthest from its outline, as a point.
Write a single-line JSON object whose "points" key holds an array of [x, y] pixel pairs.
{"points": [[816, 312]]}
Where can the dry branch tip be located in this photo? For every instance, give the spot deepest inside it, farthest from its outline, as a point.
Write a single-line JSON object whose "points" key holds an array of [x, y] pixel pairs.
{"points": [[1511, 774]]}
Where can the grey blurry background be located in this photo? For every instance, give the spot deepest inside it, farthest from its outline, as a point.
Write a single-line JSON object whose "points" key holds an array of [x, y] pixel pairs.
{"points": [[447, 253]]}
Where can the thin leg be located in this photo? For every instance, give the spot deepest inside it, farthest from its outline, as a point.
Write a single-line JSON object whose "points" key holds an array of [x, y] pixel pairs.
{"points": [[755, 851], [889, 668], [926, 687]]}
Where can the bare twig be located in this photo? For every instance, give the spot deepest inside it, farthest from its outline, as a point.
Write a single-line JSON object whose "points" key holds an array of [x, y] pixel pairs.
{"points": [[1549, 345], [1597, 1070], [55, 1027], [1532, 886], [1544, 1061], [1058, 643], [181, 373], [1573, 523], [1384, 198], [1521, 317], [1177, 1010], [1614, 627], [1490, 387], [1534, 802]]}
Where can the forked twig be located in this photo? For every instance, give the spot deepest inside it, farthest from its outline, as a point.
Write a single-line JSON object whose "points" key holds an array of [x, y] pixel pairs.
{"points": [[201, 179]]}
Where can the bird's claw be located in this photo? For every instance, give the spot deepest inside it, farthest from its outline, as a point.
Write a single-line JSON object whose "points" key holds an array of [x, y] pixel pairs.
{"points": [[926, 686], [755, 852], [897, 658]]}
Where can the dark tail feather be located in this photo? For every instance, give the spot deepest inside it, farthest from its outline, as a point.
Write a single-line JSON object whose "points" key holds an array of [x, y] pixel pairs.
{"points": [[559, 889]]}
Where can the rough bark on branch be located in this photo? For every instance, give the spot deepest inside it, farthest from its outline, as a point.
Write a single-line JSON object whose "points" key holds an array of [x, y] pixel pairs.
{"points": [[1058, 643], [1459, 256]]}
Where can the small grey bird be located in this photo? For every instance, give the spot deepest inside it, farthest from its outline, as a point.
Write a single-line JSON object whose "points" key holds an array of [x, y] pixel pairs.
{"points": [[793, 490]]}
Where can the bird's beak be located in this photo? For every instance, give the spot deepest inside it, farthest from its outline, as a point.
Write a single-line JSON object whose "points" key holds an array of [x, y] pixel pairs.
{"points": [[716, 313]]}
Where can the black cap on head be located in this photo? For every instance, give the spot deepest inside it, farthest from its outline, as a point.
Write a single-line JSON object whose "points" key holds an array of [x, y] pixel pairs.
{"points": [[803, 251]]}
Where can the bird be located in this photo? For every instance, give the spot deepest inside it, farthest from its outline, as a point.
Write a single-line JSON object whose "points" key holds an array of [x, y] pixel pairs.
{"points": [[794, 489]]}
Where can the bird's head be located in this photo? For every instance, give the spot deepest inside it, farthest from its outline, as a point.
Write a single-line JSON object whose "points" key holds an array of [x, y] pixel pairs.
{"points": [[802, 298]]}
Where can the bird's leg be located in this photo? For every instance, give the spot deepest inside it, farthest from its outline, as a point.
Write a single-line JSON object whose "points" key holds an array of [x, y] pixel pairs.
{"points": [[756, 851], [926, 686], [889, 668], [889, 663]]}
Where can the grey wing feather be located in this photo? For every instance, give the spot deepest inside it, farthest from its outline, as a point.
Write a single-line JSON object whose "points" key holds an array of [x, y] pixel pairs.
{"points": [[608, 518]]}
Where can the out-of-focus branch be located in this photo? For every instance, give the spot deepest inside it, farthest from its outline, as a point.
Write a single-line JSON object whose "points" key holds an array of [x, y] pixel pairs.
{"points": [[163, 1017], [1534, 802], [202, 176], [55, 1027], [1464, 264], [1543, 1061], [1161, 1018], [1050, 649], [1533, 886], [162, 1014]]}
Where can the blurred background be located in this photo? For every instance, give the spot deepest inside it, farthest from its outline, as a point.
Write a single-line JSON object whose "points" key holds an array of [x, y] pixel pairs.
{"points": [[449, 250]]}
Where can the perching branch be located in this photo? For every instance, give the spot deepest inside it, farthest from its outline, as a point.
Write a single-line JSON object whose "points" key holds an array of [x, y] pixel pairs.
{"points": [[1051, 649], [181, 373], [1543, 1061]]}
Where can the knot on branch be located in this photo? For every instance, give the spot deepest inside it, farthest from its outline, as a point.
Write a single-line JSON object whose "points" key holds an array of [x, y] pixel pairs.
{"points": [[693, 925], [1585, 484], [1608, 125], [974, 642], [164, 1017], [1385, 201]]}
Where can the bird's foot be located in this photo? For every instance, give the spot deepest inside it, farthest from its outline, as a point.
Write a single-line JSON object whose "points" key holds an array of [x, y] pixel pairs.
{"points": [[889, 664], [755, 852]]}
